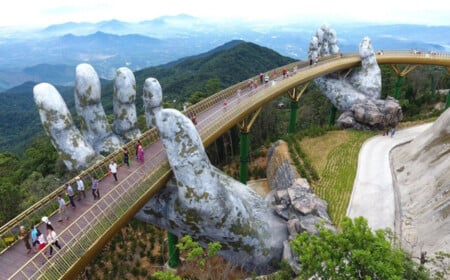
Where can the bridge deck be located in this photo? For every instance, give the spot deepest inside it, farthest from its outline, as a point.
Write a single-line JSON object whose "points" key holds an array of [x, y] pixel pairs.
{"points": [[213, 119]]}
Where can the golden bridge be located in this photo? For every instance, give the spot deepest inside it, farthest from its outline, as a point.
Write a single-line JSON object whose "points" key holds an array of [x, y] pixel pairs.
{"points": [[94, 222]]}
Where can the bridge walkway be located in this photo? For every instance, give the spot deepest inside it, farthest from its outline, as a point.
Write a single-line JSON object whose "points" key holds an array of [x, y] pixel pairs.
{"points": [[93, 223]]}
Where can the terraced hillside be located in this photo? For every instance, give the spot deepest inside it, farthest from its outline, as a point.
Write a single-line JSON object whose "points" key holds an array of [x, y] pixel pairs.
{"points": [[334, 156]]}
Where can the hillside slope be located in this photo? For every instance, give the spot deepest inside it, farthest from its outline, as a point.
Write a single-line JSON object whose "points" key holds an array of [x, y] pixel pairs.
{"points": [[230, 63], [422, 171]]}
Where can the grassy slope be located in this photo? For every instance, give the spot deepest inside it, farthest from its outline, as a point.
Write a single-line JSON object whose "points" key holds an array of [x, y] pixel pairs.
{"points": [[335, 157]]}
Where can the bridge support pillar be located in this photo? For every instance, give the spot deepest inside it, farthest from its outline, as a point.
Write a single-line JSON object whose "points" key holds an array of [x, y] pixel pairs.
{"points": [[332, 115], [174, 252], [400, 75], [398, 86], [293, 117], [447, 104], [295, 95], [244, 127], [243, 171]]}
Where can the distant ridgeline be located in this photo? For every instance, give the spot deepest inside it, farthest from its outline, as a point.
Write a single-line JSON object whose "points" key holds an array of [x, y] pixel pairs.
{"points": [[230, 63]]}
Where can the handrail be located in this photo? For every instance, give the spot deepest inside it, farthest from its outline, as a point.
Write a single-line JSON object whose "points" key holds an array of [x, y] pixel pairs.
{"points": [[235, 113], [12, 227], [111, 207], [388, 57], [98, 168]]}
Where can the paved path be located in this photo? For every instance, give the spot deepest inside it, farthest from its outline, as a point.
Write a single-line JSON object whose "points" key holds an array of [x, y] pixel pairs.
{"points": [[373, 191]]}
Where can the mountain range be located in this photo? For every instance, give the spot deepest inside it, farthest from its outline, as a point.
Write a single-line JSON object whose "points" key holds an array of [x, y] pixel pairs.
{"points": [[230, 63], [51, 54]]}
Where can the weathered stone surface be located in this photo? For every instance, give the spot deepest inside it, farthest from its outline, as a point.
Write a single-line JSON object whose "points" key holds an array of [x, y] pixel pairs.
{"points": [[282, 197], [281, 172], [323, 43], [204, 202], [125, 119], [302, 183], [295, 202], [94, 124], [358, 94], [294, 226], [372, 114], [423, 179], [302, 201], [57, 121], [81, 149]]}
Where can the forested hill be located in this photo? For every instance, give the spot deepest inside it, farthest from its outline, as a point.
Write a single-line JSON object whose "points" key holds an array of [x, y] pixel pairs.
{"points": [[226, 65], [231, 63]]}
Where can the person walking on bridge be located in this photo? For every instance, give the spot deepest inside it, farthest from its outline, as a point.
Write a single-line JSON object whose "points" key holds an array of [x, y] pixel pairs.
{"points": [[126, 157], [52, 239], [113, 169], [34, 235], [62, 208], [80, 188], [70, 194], [140, 153], [95, 191], [24, 235]]}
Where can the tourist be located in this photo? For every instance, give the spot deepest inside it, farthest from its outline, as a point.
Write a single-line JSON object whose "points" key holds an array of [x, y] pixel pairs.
{"points": [[42, 241], [140, 154], [34, 241], [62, 208], [136, 146], [194, 118], [52, 239], [80, 187], [126, 157], [113, 169], [95, 191], [70, 194], [25, 236]]}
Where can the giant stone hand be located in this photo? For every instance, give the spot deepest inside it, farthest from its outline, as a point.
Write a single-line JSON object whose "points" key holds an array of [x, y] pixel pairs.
{"points": [[358, 95], [210, 206], [200, 200], [81, 147]]}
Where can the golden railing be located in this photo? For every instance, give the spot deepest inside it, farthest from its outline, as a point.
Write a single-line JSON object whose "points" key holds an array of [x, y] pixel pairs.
{"points": [[98, 229]]}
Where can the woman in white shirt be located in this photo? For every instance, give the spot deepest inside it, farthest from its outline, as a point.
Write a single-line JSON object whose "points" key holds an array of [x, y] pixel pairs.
{"points": [[52, 238]]}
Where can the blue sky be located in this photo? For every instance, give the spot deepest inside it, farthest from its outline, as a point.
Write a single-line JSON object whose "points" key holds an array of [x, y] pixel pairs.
{"points": [[41, 13]]}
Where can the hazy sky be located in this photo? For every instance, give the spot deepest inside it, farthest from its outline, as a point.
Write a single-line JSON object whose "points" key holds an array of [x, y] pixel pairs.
{"points": [[40, 13]]}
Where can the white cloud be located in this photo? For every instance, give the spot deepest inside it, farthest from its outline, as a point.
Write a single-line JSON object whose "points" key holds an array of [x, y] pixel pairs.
{"points": [[46, 12]]}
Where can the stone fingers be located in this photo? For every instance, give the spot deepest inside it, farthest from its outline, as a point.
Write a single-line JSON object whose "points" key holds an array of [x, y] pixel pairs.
{"points": [[125, 119], [94, 125], [368, 79], [57, 121], [152, 97]]}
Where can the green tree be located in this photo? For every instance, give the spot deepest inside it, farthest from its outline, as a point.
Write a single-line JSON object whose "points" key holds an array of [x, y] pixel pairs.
{"points": [[197, 97], [354, 253], [165, 275], [40, 157], [213, 85], [10, 199]]}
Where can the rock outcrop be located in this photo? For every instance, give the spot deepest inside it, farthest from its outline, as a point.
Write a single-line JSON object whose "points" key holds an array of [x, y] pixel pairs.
{"points": [[422, 171], [358, 94], [292, 198]]}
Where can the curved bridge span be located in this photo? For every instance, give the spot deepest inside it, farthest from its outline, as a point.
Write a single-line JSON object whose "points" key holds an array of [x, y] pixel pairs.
{"points": [[94, 223]]}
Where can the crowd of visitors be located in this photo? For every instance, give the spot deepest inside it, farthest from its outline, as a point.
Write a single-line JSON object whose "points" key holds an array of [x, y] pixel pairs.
{"points": [[35, 241]]}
